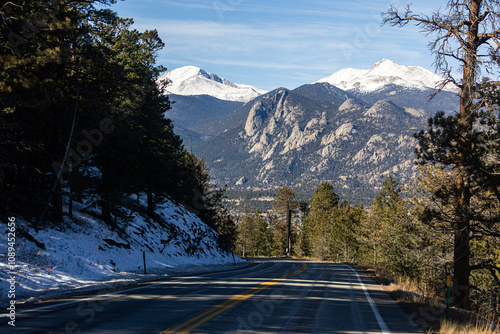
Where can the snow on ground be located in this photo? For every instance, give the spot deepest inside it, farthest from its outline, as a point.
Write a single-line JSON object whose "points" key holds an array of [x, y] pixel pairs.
{"points": [[84, 254]]}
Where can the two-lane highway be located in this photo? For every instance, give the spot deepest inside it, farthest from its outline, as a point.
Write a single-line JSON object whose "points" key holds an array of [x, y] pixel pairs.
{"points": [[275, 296]]}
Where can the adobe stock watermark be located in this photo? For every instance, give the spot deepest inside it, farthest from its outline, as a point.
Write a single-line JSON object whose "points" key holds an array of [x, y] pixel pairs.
{"points": [[199, 202], [85, 147], [223, 6], [11, 265], [429, 313], [264, 309], [88, 310]]}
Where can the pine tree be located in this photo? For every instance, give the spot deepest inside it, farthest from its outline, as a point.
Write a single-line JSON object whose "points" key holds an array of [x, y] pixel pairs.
{"points": [[342, 236], [43, 47], [318, 222], [246, 232], [283, 235], [387, 229], [81, 110]]}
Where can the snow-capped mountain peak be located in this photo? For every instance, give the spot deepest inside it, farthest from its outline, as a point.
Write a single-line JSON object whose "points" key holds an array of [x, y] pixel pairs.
{"points": [[185, 72], [192, 80], [385, 72]]}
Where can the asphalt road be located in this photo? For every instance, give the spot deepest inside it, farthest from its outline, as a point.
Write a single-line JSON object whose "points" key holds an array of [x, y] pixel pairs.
{"points": [[275, 296]]}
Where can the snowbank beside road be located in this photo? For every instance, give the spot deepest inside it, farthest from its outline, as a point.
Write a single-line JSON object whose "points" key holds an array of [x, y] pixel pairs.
{"points": [[84, 254]]}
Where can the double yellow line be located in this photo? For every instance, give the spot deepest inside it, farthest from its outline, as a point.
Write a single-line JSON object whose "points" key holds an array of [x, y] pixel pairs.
{"points": [[202, 318]]}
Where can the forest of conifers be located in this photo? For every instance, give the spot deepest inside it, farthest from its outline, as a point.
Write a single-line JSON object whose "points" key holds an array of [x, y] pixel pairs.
{"points": [[83, 117]]}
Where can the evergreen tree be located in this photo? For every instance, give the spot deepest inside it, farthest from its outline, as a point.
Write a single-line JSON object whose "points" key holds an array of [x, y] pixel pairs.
{"points": [[329, 229], [433, 215], [342, 234], [283, 202], [43, 52], [254, 236], [279, 236], [317, 224], [245, 235]]}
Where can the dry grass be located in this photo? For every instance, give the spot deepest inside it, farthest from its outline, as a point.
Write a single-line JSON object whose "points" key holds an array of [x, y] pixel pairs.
{"points": [[36, 260], [427, 309], [450, 327], [413, 291]]}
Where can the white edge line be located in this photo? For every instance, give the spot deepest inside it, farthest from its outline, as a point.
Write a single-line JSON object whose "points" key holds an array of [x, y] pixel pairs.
{"points": [[115, 293], [380, 320]]}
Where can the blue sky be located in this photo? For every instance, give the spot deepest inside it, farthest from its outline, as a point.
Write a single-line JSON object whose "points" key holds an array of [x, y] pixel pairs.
{"points": [[278, 43]]}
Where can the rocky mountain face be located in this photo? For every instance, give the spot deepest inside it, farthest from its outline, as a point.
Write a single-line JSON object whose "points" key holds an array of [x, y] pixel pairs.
{"points": [[293, 140], [407, 97]]}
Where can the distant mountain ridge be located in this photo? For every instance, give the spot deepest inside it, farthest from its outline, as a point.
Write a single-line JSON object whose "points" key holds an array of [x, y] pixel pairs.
{"points": [[208, 105], [191, 111], [192, 80], [383, 73]]}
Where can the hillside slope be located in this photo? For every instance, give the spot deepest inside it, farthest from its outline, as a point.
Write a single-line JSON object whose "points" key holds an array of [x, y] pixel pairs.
{"points": [[83, 253]]}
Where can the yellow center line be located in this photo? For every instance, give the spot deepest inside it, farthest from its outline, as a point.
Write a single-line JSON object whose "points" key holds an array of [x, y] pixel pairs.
{"points": [[211, 313]]}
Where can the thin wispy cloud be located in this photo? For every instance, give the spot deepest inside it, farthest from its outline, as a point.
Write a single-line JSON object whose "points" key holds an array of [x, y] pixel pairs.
{"points": [[241, 39], [323, 8], [262, 65]]}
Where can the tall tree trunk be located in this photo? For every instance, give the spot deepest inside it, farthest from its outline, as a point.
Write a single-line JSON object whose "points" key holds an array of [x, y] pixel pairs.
{"points": [[57, 203], [150, 208], [461, 226], [106, 199], [71, 189], [106, 210], [70, 204]]}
